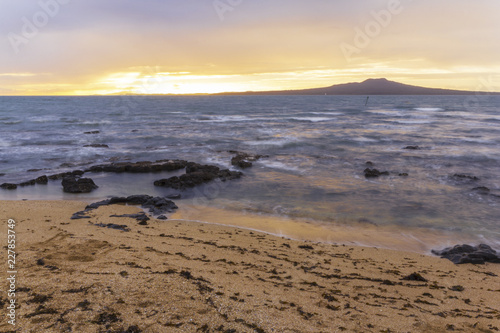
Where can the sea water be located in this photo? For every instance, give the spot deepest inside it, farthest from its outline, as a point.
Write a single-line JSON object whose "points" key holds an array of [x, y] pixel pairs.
{"points": [[316, 149]]}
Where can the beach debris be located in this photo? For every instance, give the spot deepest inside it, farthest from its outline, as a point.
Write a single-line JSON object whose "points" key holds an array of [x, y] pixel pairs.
{"points": [[122, 227], [414, 277], [197, 174], [72, 184], [468, 254], [373, 173]]}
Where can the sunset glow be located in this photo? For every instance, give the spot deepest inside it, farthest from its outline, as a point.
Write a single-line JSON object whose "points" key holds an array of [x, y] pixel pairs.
{"points": [[56, 47]]}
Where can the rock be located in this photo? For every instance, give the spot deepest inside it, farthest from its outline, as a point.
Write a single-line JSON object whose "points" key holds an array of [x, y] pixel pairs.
{"points": [[403, 174], [141, 217], [462, 178], [369, 163], [92, 132], [140, 167], [28, 183], [372, 173], [8, 186], [468, 254], [97, 145], [155, 205], [197, 174], [121, 227], [482, 190], [34, 170], [71, 184], [162, 217], [412, 147], [174, 196], [243, 160], [2, 174], [79, 215], [42, 180]]}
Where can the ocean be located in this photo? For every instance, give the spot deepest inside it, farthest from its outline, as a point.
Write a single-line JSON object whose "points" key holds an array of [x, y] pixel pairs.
{"points": [[316, 150]]}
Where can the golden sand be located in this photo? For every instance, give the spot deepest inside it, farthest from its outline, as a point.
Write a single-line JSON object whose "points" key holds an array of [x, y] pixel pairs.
{"points": [[180, 276]]}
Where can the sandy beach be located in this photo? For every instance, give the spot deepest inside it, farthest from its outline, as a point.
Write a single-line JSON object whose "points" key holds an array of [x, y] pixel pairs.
{"points": [[181, 276]]}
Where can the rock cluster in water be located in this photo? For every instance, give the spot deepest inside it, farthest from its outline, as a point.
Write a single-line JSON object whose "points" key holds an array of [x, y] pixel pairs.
{"points": [[75, 184], [197, 174], [243, 160], [468, 254]]}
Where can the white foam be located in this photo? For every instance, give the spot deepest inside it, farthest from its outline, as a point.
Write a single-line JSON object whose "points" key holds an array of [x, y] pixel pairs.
{"points": [[429, 109], [311, 119]]}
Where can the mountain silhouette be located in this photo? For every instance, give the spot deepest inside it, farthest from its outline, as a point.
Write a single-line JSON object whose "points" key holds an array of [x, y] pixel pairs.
{"points": [[367, 87]]}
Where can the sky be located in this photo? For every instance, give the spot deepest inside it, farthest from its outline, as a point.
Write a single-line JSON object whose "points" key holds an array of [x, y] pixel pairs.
{"points": [[87, 47]]}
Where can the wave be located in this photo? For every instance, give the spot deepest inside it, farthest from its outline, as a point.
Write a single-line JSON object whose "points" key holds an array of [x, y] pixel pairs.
{"points": [[428, 109], [311, 119]]}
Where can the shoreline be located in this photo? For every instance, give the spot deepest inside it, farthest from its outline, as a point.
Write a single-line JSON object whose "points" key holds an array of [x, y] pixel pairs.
{"points": [[188, 276]]}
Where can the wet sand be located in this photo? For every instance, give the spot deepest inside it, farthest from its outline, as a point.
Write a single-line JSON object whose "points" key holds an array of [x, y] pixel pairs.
{"points": [[181, 276]]}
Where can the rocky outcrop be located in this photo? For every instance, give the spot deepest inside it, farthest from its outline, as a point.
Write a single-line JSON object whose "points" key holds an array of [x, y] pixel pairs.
{"points": [[155, 205], [8, 186], [97, 145], [468, 254], [464, 178], [412, 148], [72, 184], [197, 174], [373, 173], [140, 167], [243, 160]]}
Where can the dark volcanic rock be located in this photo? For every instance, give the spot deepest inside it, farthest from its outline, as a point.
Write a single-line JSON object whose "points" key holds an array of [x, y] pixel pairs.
{"points": [[155, 205], [481, 190], [121, 227], [97, 145], [243, 160], [412, 147], [140, 167], [79, 215], [467, 254], [2, 174], [92, 132], [42, 180], [8, 186], [28, 183], [464, 178], [141, 217], [372, 173], [72, 184], [197, 174]]}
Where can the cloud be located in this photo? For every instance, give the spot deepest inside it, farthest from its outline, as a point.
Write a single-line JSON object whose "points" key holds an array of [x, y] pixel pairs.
{"points": [[92, 39]]}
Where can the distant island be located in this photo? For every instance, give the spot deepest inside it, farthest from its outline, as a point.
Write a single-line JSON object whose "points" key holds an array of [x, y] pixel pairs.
{"points": [[367, 87]]}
